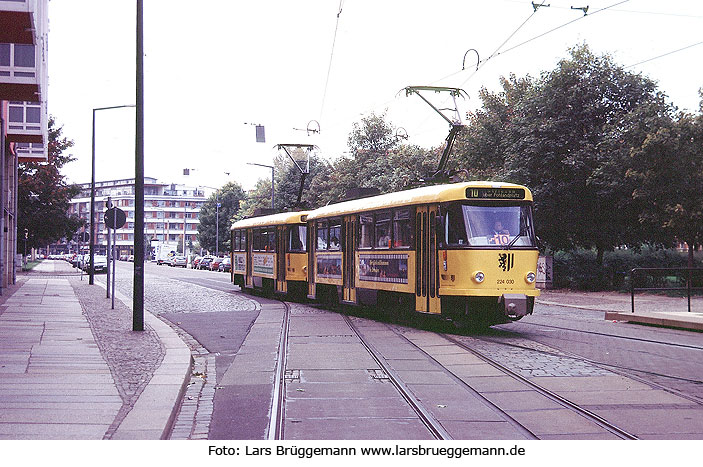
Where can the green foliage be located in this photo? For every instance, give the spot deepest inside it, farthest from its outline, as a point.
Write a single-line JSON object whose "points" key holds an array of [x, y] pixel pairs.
{"points": [[43, 196], [579, 269], [229, 196]]}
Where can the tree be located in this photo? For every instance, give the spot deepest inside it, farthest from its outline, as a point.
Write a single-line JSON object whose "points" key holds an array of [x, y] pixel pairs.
{"points": [[43, 196], [566, 136], [229, 197], [667, 171], [567, 132]]}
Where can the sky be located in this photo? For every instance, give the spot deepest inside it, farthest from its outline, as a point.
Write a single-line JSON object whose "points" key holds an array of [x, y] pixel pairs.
{"points": [[214, 69]]}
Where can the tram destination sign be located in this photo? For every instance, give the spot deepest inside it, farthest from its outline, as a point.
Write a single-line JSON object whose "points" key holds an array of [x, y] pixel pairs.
{"points": [[495, 193]]}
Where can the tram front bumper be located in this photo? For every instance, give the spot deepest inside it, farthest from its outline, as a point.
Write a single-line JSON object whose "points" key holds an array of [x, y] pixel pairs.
{"points": [[514, 305]]}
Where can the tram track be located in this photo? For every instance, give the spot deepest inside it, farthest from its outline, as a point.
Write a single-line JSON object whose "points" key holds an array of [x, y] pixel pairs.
{"points": [[275, 429], [549, 394], [629, 372], [430, 422], [600, 421], [616, 336]]}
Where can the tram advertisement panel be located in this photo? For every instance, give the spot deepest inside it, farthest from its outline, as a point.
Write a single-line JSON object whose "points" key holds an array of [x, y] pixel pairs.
{"points": [[263, 264], [329, 266], [240, 262], [384, 268]]}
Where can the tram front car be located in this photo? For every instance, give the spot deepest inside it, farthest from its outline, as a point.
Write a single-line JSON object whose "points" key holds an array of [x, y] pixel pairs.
{"points": [[488, 254]]}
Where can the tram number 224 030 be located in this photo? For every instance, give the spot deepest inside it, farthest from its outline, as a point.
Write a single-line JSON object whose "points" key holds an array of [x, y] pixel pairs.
{"points": [[505, 281]]}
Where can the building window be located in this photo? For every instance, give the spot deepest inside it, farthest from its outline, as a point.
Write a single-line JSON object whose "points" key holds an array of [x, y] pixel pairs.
{"points": [[4, 54], [24, 55]]}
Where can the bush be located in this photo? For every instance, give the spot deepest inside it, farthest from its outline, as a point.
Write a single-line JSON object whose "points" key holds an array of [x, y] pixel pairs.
{"points": [[578, 269]]}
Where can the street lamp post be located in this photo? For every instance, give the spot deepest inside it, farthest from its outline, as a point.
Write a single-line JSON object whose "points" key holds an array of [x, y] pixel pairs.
{"points": [[217, 216], [91, 272], [272, 179]]}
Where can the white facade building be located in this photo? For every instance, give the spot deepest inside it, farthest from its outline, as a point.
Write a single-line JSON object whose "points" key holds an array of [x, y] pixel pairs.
{"points": [[171, 213]]}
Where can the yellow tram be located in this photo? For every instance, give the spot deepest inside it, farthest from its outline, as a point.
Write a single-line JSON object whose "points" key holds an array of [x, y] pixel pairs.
{"points": [[464, 250], [269, 253]]}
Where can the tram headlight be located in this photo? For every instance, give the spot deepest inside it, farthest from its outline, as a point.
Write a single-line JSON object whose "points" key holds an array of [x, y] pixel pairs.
{"points": [[479, 277], [530, 277]]}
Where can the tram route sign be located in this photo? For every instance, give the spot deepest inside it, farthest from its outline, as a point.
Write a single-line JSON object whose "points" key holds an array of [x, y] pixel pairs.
{"points": [[495, 193], [115, 218]]}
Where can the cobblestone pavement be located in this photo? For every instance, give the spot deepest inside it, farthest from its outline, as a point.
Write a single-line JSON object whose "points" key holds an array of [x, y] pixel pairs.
{"points": [[164, 295], [539, 360]]}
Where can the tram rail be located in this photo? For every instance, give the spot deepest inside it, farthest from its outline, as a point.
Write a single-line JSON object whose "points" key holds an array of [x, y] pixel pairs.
{"points": [[610, 427]]}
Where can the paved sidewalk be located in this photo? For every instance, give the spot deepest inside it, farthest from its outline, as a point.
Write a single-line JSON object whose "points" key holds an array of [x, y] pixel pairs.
{"points": [[649, 308], [55, 380]]}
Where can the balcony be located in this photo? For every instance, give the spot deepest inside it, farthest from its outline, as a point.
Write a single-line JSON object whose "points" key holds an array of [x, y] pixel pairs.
{"points": [[27, 122], [21, 72], [17, 19]]}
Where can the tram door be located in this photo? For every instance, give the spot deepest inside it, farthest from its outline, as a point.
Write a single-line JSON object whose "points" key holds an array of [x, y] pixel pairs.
{"points": [[312, 241], [426, 266], [249, 281], [282, 257], [348, 259]]}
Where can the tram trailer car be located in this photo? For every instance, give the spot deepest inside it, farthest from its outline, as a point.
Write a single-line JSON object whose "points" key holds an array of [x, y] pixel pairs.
{"points": [[466, 251], [269, 253]]}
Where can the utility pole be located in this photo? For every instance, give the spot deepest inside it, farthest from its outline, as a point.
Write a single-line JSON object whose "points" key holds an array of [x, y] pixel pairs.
{"points": [[138, 291]]}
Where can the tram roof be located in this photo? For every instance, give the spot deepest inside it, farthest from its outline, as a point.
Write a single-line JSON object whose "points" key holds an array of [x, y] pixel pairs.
{"points": [[282, 218], [415, 196]]}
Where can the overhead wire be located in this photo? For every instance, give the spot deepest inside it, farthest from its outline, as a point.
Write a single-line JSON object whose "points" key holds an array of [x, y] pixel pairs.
{"points": [[329, 67], [664, 54]]}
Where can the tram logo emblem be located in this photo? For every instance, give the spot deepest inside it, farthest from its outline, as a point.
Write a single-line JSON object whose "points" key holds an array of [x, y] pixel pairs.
{"points": [[506, 261]]}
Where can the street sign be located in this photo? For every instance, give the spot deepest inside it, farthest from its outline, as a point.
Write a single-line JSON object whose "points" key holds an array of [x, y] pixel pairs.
{"points": [[115, 218]]}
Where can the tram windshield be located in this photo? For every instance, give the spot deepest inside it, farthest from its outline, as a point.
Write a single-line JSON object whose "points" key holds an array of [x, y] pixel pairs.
{"points": [[489, 226]]}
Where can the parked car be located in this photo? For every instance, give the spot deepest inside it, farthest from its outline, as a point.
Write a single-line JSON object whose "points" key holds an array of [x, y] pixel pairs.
{"points": [[99, 263], [225, 265], [205, 262], [179, 261], [215, 264], [196, 262]]}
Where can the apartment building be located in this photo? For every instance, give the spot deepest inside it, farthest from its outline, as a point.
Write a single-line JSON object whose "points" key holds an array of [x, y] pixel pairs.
{"points": [[171, 214], [24, 29]]}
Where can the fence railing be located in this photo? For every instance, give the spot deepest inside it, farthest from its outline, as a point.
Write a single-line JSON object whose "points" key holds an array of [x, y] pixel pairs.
{"points": [[658, 276]]}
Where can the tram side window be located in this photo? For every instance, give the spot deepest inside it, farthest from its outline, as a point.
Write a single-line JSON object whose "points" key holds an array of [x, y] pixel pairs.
{"points": [[366, 231], [383, 230], [322, 235], [402, 229], [455, 232], [237, 241], [335, 234], [297, 236], [271, 240], [257, 240], [243, 240]]}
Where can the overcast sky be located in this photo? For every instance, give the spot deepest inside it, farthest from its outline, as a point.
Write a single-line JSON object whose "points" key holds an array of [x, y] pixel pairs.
{"points": [[212, 68]]}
